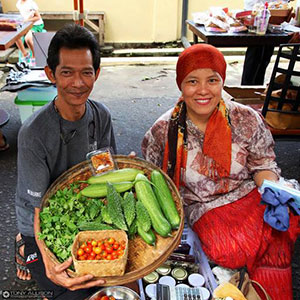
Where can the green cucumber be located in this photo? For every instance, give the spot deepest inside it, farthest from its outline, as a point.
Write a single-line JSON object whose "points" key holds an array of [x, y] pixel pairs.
{"points": [[100, 190], [148, 237], [146, 195], [165, 199], [121, 175]]}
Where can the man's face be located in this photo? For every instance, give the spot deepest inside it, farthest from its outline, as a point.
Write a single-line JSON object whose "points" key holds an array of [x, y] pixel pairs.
{"points": [[74, 76]]}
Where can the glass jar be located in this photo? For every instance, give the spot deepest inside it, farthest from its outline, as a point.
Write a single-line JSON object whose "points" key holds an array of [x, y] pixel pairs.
{"points": [[151, 277], [179, 274], [163, 270], [196, 280]]}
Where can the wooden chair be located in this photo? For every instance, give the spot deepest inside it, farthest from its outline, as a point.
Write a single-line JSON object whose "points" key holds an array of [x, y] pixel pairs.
{"points": [[281, 102], [283, 96]]}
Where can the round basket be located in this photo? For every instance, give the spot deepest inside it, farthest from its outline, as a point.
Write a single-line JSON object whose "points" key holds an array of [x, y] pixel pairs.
{"points": [[142, 258]]}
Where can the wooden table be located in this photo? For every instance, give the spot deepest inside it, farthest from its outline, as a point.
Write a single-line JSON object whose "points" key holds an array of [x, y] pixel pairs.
{"points": [[8, 38], [241, 39]]}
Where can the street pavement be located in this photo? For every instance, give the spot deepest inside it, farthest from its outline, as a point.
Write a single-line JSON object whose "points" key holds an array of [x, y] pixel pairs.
{"points": [[136, 96]]}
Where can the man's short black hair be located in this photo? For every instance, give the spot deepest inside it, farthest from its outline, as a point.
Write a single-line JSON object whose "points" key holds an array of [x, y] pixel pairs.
{"points": [[72, 36]]}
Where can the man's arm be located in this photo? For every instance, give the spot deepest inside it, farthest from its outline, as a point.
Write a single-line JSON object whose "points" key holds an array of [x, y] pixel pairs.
{"points": [[57, 272]]}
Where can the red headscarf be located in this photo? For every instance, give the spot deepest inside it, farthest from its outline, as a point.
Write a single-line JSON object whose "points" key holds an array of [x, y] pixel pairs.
{"points": [[215, 159], [200, 56]]}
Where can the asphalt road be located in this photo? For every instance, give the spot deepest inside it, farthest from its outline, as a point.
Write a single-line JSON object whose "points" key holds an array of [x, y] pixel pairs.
{"points": [[136, 97]]}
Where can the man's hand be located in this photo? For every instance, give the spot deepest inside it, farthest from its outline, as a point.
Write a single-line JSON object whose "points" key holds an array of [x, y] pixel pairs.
{"points": [[57, 273]]}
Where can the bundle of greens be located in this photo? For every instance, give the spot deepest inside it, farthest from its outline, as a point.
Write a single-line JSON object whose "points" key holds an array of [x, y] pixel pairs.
{"points": [[61, 220]]}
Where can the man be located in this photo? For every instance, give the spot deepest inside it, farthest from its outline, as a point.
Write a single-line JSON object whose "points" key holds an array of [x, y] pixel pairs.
{"points": [[54, 139]]}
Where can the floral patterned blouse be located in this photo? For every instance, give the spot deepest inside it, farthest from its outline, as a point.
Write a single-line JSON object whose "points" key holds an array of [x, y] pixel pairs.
{"points": [[252, 151]]}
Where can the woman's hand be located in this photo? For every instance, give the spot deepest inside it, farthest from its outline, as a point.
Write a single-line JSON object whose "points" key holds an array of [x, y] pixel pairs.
{"points": [[57, 274]]}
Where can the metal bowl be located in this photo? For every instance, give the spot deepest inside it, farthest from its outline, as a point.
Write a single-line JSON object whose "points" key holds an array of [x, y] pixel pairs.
{"points": [[119, 292]]}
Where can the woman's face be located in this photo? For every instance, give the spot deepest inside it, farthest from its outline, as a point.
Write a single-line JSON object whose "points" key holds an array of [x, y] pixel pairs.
{"points": [[202, 91]]}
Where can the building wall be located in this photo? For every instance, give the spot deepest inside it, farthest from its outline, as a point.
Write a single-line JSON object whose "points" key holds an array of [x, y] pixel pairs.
{"points": [[135, 21]]}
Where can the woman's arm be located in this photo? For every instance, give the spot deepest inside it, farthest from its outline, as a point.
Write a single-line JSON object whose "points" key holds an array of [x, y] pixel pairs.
{"points": [[261, 156], [260, 176]]}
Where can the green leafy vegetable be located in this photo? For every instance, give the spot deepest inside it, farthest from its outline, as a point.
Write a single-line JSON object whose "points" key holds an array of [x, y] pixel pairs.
{"points": [[60, 220]]}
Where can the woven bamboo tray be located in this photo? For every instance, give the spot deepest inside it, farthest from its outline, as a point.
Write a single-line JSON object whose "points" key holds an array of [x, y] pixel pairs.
{"points": [[142, 258]]}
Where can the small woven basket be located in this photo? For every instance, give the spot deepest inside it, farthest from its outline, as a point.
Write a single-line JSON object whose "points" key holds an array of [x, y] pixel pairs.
{"points": [[100, 268]]}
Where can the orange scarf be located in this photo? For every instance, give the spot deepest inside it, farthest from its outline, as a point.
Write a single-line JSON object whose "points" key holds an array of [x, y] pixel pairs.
{"points": [[216, 159]]}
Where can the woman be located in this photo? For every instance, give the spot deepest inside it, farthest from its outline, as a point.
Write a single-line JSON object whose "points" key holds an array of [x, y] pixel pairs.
{"points": [[218, 152]]}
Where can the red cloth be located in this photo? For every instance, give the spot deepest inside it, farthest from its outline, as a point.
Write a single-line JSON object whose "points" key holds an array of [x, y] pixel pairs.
{"points": [[235, 235], [217, 144], [199, 56]]}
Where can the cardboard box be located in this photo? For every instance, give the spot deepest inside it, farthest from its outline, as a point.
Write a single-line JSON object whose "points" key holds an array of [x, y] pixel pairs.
{"points": [[279, 16], [244, 94]]}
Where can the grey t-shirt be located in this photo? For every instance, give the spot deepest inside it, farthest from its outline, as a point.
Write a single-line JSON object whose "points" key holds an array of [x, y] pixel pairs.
{"points": [[49, 145]]}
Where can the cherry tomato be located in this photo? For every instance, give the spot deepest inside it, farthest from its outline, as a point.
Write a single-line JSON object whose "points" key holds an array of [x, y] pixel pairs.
{"points": [[109, 250], [111, 240], [104, 298], [97, 250], [87, 249], [116, 245], [80, 252]]}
